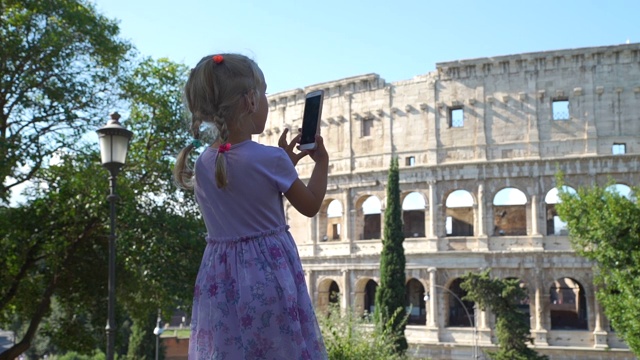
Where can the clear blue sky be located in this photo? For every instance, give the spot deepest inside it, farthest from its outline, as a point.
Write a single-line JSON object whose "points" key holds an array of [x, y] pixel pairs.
{"points": [[298, 44]]}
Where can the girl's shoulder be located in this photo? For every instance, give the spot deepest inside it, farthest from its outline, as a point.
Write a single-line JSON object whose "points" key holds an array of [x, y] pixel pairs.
{"points": [[265, 150]]}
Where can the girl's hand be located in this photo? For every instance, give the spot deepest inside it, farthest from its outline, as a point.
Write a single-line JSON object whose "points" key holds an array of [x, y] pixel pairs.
{"points": [[319, 154], [288, 147]]}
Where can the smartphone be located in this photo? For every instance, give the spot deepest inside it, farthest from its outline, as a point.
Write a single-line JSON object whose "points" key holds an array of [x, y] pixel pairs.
{"points": [[311, 119]]}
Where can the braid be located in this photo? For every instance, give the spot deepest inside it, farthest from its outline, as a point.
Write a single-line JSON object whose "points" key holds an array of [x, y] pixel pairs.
{"points": [[195, 128], [221, 125], [182, 171], [221, 166]]}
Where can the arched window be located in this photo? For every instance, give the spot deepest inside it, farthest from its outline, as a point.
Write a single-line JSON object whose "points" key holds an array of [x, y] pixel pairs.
{"points": [[371, 209], [555, 225], [334, 220], [459, 214], [334, 293], [457, 314], [568, 305], [510, 212], [328, 295], [415, 303], [413, 207], [370, 297], [622, 190]]}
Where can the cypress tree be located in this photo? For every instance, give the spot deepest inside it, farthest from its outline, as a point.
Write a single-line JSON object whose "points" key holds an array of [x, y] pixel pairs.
{"points": [[390, 296]]}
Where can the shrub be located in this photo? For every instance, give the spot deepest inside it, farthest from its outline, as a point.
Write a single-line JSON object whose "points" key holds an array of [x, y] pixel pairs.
{"points": [[349, 336]]}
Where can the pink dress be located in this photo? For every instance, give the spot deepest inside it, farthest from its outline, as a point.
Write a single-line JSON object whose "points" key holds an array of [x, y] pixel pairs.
{"points": [[250, 299]]}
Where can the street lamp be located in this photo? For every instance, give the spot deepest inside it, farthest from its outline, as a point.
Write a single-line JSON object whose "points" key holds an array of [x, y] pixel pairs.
{"points": [[475, 329], [157, 331], [114, 143]]}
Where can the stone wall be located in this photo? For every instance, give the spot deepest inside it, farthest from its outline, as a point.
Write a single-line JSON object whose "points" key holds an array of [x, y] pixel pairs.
{"points": [[478, 126]]}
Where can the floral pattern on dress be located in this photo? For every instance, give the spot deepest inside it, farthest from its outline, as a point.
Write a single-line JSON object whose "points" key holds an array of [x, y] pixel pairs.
{"points": [[251, 302]]}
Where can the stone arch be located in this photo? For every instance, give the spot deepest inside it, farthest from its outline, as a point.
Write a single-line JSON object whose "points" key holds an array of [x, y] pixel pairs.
{"points": [[415, 303], [328, 294], [568, 305], [414, 207], [369, 218], [459, 214], [365, 296], [510, 212], [456, 315], [555, 225]]}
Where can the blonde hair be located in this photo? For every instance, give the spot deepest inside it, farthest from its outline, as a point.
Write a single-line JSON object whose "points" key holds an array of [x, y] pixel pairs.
{"points": [[214, 94]]}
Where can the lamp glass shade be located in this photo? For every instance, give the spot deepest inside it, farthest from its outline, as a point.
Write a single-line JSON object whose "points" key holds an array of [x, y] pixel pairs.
{"points": [[158, 331], [113, 148]]}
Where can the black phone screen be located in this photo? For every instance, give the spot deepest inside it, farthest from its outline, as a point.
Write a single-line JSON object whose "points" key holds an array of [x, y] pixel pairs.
{"points": [[310, 119]]}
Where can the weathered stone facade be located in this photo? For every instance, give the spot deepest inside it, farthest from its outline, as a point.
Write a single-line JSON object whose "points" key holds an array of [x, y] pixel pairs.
{"points": [[472, 128]]}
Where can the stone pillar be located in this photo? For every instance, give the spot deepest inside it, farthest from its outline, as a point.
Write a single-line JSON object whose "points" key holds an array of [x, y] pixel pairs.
{"points": [[432, 237], [483, 239], [483, 330], [315, 233], [308, 278], [346, 290], [534, 215], [481, 231], [539, 333], [432, 308], [600, 336], [348, 219], [537, 240]]}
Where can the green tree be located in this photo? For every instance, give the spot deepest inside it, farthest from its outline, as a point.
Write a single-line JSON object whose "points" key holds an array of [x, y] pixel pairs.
{"points": [[604, 226], [390, 296], [54, 247], [57, 62], [501, 296], [347, 336]]}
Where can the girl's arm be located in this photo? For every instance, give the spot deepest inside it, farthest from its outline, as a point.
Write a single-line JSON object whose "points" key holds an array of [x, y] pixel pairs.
{"points": [[307, 199]]}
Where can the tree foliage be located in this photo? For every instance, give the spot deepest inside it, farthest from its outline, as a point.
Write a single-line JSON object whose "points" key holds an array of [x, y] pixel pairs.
{"points": [[501, 296], [604, 226], [54, 245], [57, 62], [390, 295]]}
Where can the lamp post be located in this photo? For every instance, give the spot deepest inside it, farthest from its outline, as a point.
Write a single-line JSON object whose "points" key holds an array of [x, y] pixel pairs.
{"points": [[114, 143], [157, 331], [475, 329]]}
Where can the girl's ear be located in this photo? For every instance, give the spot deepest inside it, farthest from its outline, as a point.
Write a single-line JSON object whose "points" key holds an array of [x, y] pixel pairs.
{"points": [[251, 101]]}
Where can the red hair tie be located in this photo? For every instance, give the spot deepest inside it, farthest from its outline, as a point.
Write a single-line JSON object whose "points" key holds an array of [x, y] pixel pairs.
{"points": [[224, 148], [218, 59]]}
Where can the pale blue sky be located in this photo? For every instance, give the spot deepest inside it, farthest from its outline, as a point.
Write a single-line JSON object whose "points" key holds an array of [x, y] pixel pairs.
{"points": [[298, 44]]}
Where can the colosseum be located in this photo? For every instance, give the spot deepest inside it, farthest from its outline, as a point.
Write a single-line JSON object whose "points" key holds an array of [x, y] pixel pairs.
{"points": [[479, 143]]}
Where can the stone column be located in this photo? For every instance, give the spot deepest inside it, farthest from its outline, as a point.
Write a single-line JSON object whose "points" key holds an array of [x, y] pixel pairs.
{"points": [[534, 215], [432, 308], [483, 329], [348, 219], [346, 284], [481, 231], [539, 333], [537, 240], [432, 237], [308, 278], [315, 233], [600, 336], [483, 239]]}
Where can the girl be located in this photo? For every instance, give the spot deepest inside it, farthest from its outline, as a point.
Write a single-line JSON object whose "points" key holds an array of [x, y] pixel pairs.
{"points": [[250, 298]]}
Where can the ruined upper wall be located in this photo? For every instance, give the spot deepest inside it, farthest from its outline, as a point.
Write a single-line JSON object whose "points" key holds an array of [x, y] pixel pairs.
{"points": [[540, 61], [507, 107]]}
